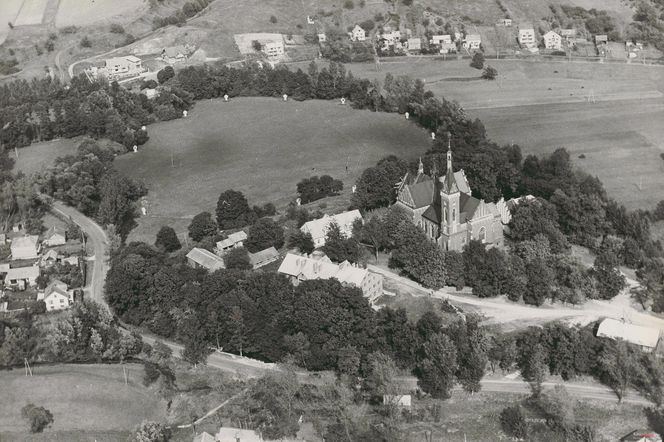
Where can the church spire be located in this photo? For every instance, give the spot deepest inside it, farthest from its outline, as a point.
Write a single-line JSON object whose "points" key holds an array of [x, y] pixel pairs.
{"points": [[449, 153]]}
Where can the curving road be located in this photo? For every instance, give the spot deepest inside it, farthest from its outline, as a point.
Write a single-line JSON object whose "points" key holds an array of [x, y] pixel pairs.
{"points": [[247, 367]]}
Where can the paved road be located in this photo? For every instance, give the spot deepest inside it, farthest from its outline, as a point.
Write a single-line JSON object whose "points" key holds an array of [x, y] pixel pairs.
{"points": [[247, 367], [95, 236]]}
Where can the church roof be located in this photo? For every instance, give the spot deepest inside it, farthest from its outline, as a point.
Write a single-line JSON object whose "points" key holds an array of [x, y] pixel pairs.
{"points": [[422, 192], [449, 183], [468, 204]]}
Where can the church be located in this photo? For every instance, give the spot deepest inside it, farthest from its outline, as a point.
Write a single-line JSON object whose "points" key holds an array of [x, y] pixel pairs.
{"points": [[445, 210]]}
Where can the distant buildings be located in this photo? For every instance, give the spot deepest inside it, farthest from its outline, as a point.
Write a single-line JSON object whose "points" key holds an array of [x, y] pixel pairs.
{"points": [[472, 41], [121, 67], [318, 266], [357, 34], [527, 36], [440, 39], [601, 39], [201, 258], [568, 33], [175, 54], [553, 41], [445, 210], [273, 48], [414, 44], [318, 227], [25, 247], [55, 236]]}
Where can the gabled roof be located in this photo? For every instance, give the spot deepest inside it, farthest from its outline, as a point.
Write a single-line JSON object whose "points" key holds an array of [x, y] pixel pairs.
{"points": [[473, 37], [54, 230], [634, 334], [228, 434], [318, 227], [25, 241], [305, 268], [358, 28], [421, 192], [206, 259], [232, 239], [50, 254], [551, 34], [263, 256], [55, 284], [30, 272], [204, 437], [56, 293]]}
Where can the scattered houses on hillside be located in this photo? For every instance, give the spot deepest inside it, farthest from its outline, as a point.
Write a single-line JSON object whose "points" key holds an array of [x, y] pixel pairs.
{"points": [[55, 236], [527, 36], [414, 45], [445, 210], [273, 48], [201, 258], [25, 247], [357, 34], [176, 54], [264, 257], [472, 41], [568, 33], [553, 41], [318, 266], [318, 228], [645, 338], [122, 67], [234, 240]]}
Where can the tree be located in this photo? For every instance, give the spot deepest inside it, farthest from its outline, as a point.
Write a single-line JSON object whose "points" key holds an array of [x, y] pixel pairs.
{"points": [[477, 61], [237, 258], [489, 73], [202, 225], [557, 407], [303, 241], [165, 74], [381, 377], [257, 45], [339, 248], [167, 240], [264, 234], [38, 417], [619, 366], [233, 210], [437, 365], [151, 432], [375, 187], [535, 369], [513, 422]]}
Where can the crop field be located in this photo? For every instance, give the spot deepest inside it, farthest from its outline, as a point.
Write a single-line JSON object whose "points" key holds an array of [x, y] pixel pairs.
{"points": [[85, 12], [88, 402], [31, 13], [621, 141], [262, 147]]}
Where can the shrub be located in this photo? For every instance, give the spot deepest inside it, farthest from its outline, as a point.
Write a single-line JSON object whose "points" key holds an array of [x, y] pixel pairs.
{"points": [[256, 45], [348, 4], [237, 258], [273, 19], [165, 74], [513, 422], [489, 73], [478, 61], [117, 28], [167, 240], [38, 417], [85, 42]]}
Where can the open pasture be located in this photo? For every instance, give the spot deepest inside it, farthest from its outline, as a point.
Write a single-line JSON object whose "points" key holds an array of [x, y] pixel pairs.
{"points": [[621, 141], [88, 402], [262, 147], [85, 12], [31, 13]]}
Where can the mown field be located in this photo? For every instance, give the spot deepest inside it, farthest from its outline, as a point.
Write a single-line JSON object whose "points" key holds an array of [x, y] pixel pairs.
{"points": [[262, 147], [88, 402]]}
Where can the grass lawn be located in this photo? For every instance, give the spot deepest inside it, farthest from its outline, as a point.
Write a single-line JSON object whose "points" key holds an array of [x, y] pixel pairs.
{"points": [[37, 156], [262, 147], [88, 402]]}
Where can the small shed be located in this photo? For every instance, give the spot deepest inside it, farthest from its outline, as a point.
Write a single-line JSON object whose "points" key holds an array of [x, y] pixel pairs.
{"points": [[201, 258], [264, 257], [645, 338]]}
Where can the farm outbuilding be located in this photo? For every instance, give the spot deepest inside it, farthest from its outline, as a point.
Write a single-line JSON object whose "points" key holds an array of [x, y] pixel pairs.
{"points": [[645, 338]]}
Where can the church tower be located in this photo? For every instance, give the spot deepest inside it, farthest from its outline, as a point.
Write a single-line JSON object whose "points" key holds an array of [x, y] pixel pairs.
{"points": [[449, 197]]}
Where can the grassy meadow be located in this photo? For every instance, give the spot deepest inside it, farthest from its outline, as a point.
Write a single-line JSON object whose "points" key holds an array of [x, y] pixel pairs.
{"points": [[262, 147], [88, 402]]}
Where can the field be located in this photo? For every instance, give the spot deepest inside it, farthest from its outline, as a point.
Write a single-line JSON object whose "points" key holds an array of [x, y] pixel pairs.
{"points": [[85, 12], [88, 402], [262, 147], [31, 13], [33, 158]]}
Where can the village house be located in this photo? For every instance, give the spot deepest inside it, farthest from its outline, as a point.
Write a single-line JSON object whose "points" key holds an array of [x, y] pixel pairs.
{"points": [[318, 228], [71, 260], [49, 258], [200, 258], [391, 37], [568, 33], [273, 48], [150, 93], [25, 247], [445, 210], [601, 39], [357, 34], [228, 434], [472, 41], [55, 236], [645, 338], [234, 240], [505, 22], [119, 67], [527, 36], [322, 38], [440, 39], [553, 41], [56, 296], [22, 277], [414, 45], [204, 437], [175, 54], [264, 257], [318, 266]]}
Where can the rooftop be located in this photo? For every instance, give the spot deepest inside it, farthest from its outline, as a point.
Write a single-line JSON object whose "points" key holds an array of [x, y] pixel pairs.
{"points": [[308, 268], [634, 334], [25, 241], [206, 259], [318, 227]]}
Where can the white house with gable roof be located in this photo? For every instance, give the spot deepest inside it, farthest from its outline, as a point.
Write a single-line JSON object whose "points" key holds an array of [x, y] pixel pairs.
{"points": [[318, 228], [553, 41], [357, 34], [25, 247]]}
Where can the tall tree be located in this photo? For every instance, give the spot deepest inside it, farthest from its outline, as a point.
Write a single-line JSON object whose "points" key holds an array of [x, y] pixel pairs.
{"points": [[202, 225], [167, 239], [233, 210], [437, 366], [535, 369], [264, 234]]}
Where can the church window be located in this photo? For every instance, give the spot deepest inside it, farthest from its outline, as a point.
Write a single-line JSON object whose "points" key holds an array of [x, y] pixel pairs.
{"points": [[482, 235], [453, 215]]}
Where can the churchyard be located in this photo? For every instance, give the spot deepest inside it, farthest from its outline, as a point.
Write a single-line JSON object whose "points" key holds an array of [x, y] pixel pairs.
{"points": [[88, 402], [262, 147]]}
